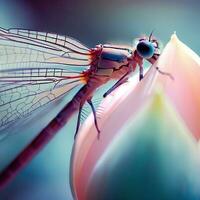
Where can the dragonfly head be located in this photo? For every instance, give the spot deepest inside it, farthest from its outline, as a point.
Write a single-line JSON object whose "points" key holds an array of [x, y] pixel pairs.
{"points": [[148, 47]]}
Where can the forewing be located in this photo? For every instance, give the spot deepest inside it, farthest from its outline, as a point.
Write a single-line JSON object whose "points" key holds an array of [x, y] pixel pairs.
{"points": [[30, 48], [35, 69]]}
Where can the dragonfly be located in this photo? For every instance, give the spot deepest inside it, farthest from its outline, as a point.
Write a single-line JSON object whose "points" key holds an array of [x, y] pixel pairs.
{"points": [[37, 68]]}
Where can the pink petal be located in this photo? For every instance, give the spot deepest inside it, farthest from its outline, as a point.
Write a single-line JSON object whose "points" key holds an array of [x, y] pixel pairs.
{"points": [[152, 157], [184, 65]]}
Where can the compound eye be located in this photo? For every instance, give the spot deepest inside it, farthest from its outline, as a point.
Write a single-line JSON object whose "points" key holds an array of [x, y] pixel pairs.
{"points": [[145, 49]]}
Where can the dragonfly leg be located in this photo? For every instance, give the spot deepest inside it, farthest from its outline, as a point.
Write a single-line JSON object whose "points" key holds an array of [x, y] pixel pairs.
{"points": [[122, 80], [95, 116], [78, 121], [164, 73], [141, 76]]}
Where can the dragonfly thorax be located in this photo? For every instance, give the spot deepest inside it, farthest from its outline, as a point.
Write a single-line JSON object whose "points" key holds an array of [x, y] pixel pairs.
{"points": [[112, 58]]}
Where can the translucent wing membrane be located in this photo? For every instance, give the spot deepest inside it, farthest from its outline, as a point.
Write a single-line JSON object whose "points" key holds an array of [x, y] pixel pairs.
{"points": [[20, 50], [52, 39], [26, 91], [35, 69]]}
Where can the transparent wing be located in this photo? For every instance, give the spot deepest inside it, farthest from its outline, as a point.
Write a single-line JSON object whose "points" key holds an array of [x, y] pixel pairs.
{"points": [[19, 48], [26, 90], [35, 69]]}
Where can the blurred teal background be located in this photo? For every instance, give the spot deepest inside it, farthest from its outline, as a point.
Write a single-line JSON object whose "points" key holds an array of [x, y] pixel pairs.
{"points": [[92, 22]]}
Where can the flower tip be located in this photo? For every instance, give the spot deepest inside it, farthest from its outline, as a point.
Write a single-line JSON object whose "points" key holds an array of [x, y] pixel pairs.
{"points": [[174, 37]]}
